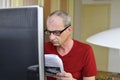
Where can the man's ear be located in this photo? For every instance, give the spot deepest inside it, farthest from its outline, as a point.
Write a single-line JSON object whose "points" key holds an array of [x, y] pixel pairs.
{"points": [[70, 28]]}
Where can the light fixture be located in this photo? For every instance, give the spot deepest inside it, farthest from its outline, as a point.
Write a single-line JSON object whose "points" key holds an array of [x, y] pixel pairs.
{"points": [[109, 38]]}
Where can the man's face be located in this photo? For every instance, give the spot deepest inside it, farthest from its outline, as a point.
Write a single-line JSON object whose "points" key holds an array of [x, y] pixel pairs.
{"points": [[55, 24]]}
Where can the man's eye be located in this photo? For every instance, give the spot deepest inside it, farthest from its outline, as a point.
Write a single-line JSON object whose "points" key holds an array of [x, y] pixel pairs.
{"points": [[57, 32]]}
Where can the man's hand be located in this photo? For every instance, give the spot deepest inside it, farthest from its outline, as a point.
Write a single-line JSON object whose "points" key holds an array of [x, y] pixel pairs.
{"points": [[64, 76]]}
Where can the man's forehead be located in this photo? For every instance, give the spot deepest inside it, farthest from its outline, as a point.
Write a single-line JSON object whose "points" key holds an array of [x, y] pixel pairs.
{"points": [[54, 21]]}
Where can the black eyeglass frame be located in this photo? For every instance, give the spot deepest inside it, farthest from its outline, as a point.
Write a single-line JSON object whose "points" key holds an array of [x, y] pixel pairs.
{"points": [[56, 32]]}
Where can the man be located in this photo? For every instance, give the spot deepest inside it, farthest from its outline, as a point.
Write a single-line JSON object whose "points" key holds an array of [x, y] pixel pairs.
{"points": [[78, 58]]}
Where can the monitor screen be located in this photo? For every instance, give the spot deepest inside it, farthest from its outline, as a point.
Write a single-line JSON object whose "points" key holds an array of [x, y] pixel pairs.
{"points": [[21, 41]]}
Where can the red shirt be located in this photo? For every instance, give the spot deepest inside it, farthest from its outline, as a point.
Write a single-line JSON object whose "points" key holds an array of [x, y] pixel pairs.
{"points": [[80, 61]]}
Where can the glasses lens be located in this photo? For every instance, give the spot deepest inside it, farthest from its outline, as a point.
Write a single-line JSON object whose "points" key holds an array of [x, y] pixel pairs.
{"points": [[47, 32], [57, 33]]}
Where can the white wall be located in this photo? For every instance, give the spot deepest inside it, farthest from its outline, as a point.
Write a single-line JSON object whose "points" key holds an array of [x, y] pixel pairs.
{"points": [[114, 54], [115, 13]]}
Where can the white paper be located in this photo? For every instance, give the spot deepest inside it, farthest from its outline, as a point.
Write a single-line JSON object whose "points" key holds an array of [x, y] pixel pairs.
{"points": [[53, 65]]}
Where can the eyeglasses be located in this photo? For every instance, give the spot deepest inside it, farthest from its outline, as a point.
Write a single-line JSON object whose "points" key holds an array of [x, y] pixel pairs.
{"points": [[56, 32]]}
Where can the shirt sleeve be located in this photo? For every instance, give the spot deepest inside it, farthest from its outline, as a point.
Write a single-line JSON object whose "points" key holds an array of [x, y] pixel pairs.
{"points": [[89, 68]]}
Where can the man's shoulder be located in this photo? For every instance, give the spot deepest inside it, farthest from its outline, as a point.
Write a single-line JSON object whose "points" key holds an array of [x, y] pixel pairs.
{"points": [[81, 44], [48, 44]]}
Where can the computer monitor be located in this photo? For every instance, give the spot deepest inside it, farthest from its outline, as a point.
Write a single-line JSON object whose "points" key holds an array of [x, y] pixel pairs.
{"points": [[21, 42]]}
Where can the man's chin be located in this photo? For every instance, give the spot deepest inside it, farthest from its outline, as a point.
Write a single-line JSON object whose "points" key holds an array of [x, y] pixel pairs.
{"points": [[55, 43]]}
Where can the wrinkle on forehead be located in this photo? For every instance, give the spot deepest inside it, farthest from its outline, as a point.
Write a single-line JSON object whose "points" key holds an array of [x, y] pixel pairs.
{"points": [[54, 21]]}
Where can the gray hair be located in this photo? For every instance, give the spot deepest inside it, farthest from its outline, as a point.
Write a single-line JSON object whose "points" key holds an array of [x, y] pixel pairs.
{"points": [[66, 18]]}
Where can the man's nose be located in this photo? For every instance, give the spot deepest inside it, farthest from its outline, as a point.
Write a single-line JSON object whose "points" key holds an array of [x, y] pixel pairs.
{"points": [[51, 36]]}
